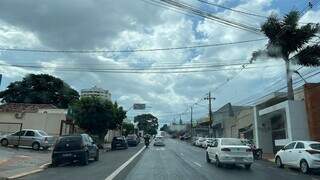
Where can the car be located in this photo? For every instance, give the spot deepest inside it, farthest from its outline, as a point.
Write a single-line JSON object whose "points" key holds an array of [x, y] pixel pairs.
{"points": [[133, 140], [304, 155], [199, 141], [119, 142], [194, 140], [70, 148], [206, 142], [159, 141], [229, 151], [29, 137]]}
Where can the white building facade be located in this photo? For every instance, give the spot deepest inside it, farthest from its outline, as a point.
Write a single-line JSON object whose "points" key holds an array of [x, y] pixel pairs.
{"points": [[96, 92]]}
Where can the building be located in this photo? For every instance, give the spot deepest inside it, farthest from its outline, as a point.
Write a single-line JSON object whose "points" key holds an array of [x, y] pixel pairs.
{"points": [[96, 92], [278, 121], [44, 117]]}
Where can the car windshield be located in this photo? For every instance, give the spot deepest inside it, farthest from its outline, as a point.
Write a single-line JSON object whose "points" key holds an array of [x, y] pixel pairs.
{"points": [[315, 146], [232, 142]]}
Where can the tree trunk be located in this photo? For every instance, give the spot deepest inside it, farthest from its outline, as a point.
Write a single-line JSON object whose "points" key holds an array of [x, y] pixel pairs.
{"points": [[290, 94]]}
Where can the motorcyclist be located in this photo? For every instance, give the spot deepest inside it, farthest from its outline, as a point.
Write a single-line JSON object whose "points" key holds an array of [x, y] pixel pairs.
{"points": [[147, 140]]}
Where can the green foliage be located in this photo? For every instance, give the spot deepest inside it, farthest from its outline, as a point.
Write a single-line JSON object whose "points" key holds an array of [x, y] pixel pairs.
{"points": [[97, 116], [148, 123], [164, 128], [40, 89], [128, 128]]}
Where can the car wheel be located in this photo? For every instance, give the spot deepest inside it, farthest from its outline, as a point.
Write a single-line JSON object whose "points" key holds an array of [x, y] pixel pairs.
{"points": [[218, 163], [304, 167], [96, 158], [4, 142], [36, 146], [247, 166], [54, 163], [279, 162], [85, 159], [208, 158]]}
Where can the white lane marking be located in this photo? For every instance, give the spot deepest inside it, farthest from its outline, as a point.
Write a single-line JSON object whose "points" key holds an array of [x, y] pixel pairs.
{"points": [[124, 165], [197, 164], [181, 154]]}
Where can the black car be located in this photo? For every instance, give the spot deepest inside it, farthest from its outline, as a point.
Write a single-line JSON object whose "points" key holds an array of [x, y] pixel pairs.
{"points": [[74, 148], [119, 143], [133, 140]]}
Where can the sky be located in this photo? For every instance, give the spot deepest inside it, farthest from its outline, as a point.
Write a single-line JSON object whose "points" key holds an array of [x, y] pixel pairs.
{"points": [[140, 24]]}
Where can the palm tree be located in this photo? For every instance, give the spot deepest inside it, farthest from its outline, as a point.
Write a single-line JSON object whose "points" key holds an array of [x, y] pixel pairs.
{"points": [[290, 42]]}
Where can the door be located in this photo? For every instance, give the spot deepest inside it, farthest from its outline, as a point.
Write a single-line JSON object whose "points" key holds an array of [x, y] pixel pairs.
{"points": [[287, 156], [28, 138], [297, 154], [14, 138]]}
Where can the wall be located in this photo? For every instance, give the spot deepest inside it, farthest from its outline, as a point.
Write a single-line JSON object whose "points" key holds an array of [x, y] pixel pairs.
{"points": [[265, 135], [312, 101], [298, 119], [230, 128]]}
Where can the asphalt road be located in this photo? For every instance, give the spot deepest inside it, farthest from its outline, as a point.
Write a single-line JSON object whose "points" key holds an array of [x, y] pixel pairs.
{"points": [[108, 163], [179, 160]]}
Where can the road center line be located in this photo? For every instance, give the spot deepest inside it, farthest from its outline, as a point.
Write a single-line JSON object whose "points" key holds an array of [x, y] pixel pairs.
{"points": [[197, 164], [124, 165]]}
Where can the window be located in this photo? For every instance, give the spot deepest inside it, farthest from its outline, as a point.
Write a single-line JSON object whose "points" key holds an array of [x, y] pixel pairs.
{"points": [[289, 146], [299, 145], [315, 146], [20, 133], [30, 133]]}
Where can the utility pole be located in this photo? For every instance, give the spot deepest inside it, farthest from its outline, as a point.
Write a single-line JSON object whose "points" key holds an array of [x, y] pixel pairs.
{"points": [[191, 124], [210, 112]]}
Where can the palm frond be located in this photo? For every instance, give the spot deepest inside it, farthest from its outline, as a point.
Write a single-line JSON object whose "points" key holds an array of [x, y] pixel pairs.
{"points": [[272, 27], [291, 19], [309, 56]]}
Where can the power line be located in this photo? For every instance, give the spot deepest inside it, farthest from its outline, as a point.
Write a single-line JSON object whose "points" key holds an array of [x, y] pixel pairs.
{"points": [[129, 50], [231, 9]]}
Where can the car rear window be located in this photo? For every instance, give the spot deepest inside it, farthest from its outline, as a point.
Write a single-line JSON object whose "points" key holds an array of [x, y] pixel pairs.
{"points": [[130, 136], [42, 133], [70, 139], [232, 142], [315, 146]]}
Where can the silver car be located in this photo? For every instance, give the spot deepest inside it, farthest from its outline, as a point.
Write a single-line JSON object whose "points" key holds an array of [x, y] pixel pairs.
{"points": [[28, 137]]}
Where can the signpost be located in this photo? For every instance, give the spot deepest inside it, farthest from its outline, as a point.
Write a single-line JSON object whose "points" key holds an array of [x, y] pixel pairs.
{"points": [[139, 106]]}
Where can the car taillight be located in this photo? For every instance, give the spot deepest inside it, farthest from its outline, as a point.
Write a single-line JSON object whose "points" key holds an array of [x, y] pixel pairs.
{"points": [[248, 150], [225, 149], [313, 151]]}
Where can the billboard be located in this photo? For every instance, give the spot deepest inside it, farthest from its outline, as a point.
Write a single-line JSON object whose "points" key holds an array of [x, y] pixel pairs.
{"points": [[139, 106]]}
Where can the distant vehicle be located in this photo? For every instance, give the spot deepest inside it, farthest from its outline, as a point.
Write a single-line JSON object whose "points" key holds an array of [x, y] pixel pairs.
{"points": [[29, 137], [119, 142], [206, 142], [133, 140], [229, 151], [74, 147], [300, 154], [159, 141], [200, 141], [194, 140]]}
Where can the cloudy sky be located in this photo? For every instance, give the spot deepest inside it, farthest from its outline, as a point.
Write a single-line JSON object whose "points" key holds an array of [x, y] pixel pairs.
{"points": [[141, 24]]}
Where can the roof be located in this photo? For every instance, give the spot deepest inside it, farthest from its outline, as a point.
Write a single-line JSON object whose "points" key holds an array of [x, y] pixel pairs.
{"points": [[25, 107]]}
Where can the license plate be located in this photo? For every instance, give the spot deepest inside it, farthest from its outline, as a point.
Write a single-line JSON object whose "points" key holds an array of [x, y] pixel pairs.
{"points": [[66, 155], [238, 158]]}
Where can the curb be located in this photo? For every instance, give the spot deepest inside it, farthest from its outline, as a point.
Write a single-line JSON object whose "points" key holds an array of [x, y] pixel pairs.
{"points": [[125, 166], [41, 168]]}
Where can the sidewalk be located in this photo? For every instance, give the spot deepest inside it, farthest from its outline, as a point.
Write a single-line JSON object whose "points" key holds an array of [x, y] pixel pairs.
{"points": [[15, 161]]}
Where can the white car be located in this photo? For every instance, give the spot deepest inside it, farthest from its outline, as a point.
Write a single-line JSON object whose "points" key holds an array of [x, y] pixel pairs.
{"points": [[206, 142], [300, 154], [158, 141], [229, 151], [200, 141]]}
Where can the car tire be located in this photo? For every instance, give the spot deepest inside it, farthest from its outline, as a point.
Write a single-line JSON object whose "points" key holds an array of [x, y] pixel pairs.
{"points": [[247, 166], [218, 163], [96, 158], [85, 159], [54, 163], [279, 162], [35, 146], [208, 158], [304, 167], [4, 142]]}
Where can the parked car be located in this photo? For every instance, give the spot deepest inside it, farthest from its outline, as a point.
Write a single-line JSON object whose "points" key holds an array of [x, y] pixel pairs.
{"points": [[194, 140], [133, 140], [159, 141], [29, 137], [300, 154], [75, 147], [200, 141], [206, 142], [119, 142], [229, 151]]}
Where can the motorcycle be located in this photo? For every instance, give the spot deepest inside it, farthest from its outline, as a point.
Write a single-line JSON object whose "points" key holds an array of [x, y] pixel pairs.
{"points": [[257, 152]]}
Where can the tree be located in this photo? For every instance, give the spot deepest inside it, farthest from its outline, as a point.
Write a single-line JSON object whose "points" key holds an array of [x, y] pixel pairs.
{"points": [[120, 114], [164, 128], [148, 123], [96, 116], [286, 38], [40, 89], [128, 128]]}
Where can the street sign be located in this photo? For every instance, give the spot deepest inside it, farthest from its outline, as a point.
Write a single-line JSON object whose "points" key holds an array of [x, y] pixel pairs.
{"points": [[139, 106]]}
